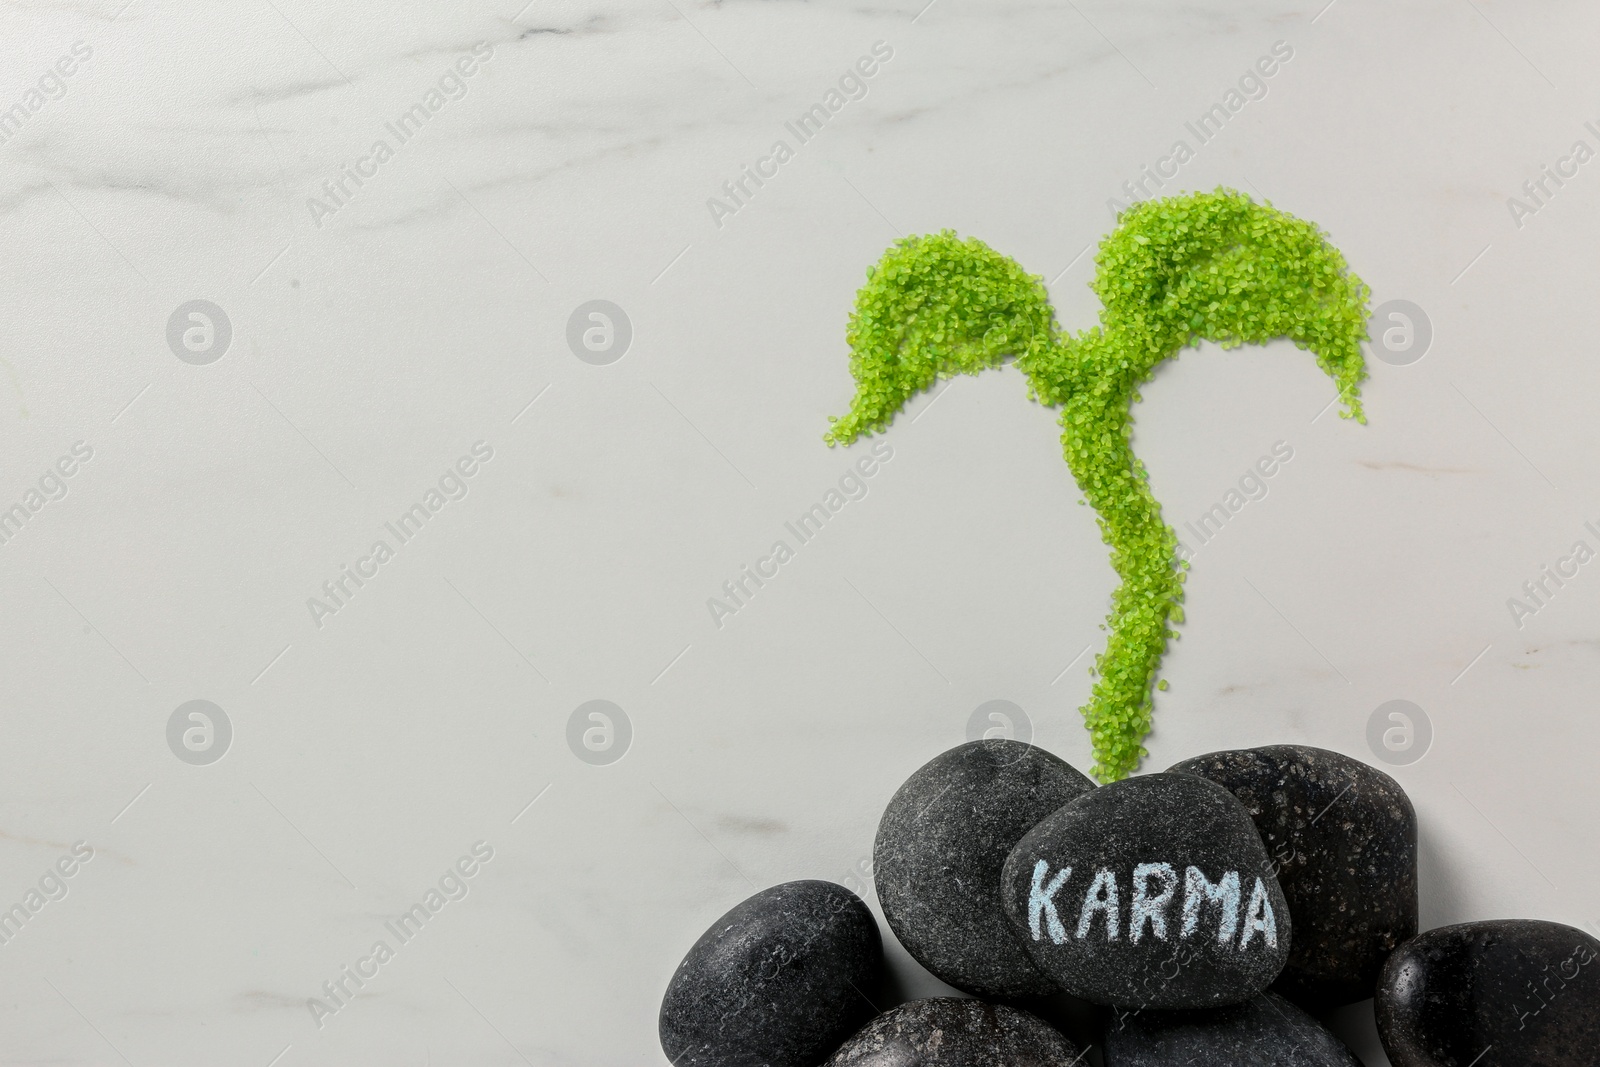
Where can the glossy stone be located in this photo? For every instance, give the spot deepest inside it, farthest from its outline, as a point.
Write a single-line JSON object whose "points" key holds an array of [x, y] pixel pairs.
{"points": [[1268, 1031], [1503, 993], [1150, 892], [776, 982], [1342, 837], [940, 846], [950, 1032]]}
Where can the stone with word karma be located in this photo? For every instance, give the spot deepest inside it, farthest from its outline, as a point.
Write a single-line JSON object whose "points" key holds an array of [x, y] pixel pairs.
{"points": [[1503, 993], [940, 846], [776, 981], [950, 1032], [1151, 892], [1342, 837], [1266, 1032]]}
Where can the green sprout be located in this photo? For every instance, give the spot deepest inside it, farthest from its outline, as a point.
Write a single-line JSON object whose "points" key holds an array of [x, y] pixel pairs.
{"points": [[1175, 272]]}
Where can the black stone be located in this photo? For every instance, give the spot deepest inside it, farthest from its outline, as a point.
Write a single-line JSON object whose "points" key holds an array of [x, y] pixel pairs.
{"points": [[1266, 1032], [1343, 839], [950, 1032], [940, 846], [776, 982], [1504, 993], [1165, 838]]}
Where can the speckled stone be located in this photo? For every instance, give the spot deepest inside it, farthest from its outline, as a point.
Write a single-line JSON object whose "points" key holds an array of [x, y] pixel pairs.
{"points": [[1504, 993], [940, 846], [1266, 1032], [1343, 839], [1151, 892], [776, 982], [950, 1032]]}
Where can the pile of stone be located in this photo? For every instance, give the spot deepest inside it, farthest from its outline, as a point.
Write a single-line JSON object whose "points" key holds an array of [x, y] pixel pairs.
{"points": [[1211, 912]]}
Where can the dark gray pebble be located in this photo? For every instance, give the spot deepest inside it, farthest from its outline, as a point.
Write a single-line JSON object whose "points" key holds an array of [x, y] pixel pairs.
{"points": [[1503, 993], [776, 982], [1343, 838], [950, 1032], [941, 844], [1151, 892], [1266, 1032]]}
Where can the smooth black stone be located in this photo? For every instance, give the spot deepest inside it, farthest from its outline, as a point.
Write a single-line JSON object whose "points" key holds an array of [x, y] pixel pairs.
{"points": [[1343, 839], [950, 1032], [1266, 1032], [940, 846], [1113, 836], [776, 982], [1526, 991]]}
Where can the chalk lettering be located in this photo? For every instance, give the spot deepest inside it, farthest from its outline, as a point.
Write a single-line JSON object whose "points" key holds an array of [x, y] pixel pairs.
{"points": [[1155, 887], [1198, 891], [1041, 902], [1104, 898], [1259, 918], [1151, 908]]}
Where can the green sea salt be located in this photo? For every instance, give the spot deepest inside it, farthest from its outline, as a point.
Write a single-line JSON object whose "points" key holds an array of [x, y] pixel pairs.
{"points": [[1175, 272]]}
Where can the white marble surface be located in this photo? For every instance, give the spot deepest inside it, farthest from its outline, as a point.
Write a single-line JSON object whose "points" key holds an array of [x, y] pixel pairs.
{"points": [[371, 351]]}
